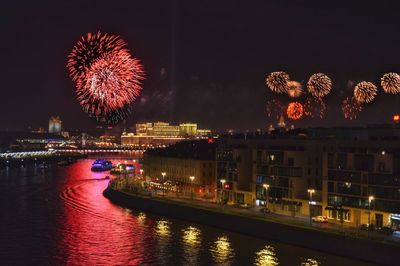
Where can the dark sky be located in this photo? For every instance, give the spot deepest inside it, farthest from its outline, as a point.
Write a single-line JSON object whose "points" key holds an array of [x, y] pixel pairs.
{"points": [[223, 50]]}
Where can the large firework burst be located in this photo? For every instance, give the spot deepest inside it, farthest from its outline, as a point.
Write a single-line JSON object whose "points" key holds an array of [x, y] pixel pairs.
{"points": [[108, 79], [350, 108], [295, 89], [274, 108], [295, 110], [319, 85], [365, 92], [390, 83], [314, 107], [277, 81]]}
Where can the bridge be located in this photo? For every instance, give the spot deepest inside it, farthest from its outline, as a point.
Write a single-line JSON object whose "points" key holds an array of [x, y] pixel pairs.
{"points": [[27, 154], [100, 150]]}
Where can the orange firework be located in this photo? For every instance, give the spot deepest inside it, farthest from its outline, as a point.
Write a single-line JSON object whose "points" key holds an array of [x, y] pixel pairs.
{"points": [[314, 107], [350, 108], [390, 83], [277, 81], [294, 89], [295, 110], [365, 92], [319, 85]]}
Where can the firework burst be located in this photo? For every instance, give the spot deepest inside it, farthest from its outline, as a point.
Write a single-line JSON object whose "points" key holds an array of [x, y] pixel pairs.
{"points": [[365, 92], [295, 89], [295, 110], [390, 83], [274, 108], [350, 108], [319, 85], [277, 81], [314, 107], [108, 79]]}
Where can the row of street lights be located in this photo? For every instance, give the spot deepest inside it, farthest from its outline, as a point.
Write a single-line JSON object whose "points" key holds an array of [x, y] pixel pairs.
{"points": [[192, 178]]}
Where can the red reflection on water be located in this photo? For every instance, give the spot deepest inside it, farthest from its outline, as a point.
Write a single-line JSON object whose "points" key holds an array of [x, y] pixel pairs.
{"points": [[96, 231]]}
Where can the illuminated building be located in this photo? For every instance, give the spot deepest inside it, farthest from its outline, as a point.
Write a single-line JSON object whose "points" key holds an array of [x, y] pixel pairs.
{"points": [[165, 129], [281, 122], [182, 160], [188, 129], [162, 133], [55, 125], [344, 166], [131, 139], [144, 129]]}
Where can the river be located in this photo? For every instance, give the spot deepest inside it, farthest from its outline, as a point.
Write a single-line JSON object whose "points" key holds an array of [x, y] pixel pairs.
{"points": [[58, 216]]}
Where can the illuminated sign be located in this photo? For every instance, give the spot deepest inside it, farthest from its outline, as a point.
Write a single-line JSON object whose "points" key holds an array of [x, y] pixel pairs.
{"points": [[396, 118]]}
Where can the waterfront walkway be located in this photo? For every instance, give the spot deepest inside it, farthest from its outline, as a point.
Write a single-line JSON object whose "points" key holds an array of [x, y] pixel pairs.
{"points": [[253, 212]]}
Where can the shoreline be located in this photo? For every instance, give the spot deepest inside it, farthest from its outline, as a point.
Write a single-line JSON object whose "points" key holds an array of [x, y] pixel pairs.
{"points": [[336, 244]]}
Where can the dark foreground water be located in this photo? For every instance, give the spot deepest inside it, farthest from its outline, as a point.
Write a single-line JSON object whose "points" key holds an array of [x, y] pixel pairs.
{"points": [[58, 216]]}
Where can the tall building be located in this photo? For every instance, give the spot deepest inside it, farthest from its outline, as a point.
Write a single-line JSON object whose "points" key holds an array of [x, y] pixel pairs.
{"points": [[162, 133], [55, 125]]}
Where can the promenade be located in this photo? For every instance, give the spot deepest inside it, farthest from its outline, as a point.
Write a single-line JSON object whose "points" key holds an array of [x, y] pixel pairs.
{"points": [[187, 198]]}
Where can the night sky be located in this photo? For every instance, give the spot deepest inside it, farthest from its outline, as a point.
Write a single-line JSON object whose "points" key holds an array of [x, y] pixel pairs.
{"points": [[216, 57]]}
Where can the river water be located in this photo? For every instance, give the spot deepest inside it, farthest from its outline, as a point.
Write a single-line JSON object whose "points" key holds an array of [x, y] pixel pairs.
{"points": [[58, 216]]}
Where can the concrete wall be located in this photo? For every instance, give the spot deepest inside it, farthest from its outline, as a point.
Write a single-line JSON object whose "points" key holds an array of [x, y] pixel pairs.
{"points": [[325, 242]]}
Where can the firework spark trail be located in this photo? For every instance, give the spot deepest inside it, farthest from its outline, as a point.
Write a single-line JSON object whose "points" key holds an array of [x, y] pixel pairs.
{"points": [[390, 83], [274, 108], [319, 85], [108, 79], [314, 107], [365, 92], [351, 108], [295, 110], [277, 81]]}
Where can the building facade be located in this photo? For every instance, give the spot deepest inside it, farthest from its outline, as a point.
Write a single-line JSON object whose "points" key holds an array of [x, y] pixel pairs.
{"points": [[55, 125], [351, 178], [177, 163], [162, 133]]}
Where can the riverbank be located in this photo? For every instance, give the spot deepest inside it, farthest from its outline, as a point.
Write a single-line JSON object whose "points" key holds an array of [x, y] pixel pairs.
{"points": [[50, 159], [342, 245]]}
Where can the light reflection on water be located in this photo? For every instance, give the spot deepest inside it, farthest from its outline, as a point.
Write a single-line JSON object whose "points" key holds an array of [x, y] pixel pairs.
{"points": [[61, 217], [222, 251], [310, 262], [266, 257], [191, 239]]}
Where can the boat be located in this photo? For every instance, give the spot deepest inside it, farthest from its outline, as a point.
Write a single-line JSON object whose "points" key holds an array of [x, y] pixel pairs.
{"points": [[101, 165], [122, 168], [66, 162], [63, 163]]}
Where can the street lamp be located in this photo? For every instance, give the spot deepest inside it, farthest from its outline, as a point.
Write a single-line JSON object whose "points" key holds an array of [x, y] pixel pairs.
{"points": [[370, 199], [266, 187], [310, 191], [191, 183], [222, 190], [163, 180]]}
